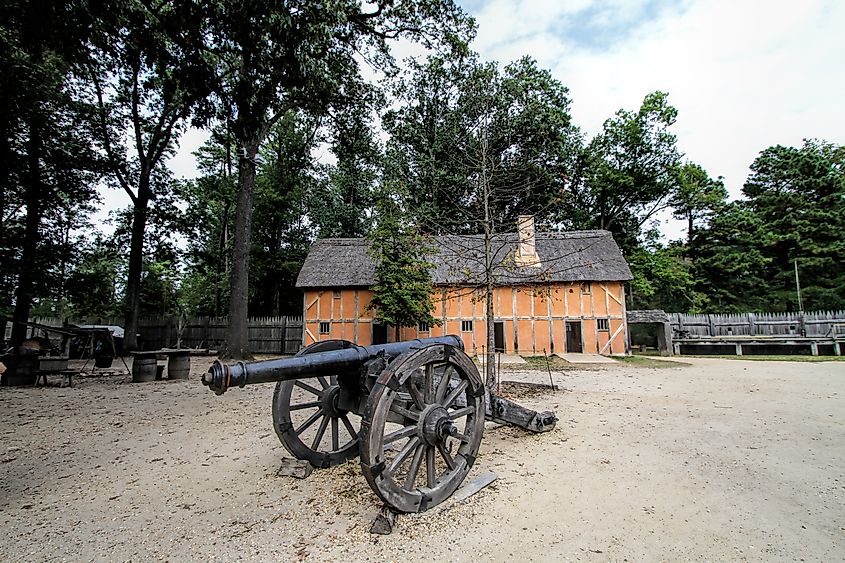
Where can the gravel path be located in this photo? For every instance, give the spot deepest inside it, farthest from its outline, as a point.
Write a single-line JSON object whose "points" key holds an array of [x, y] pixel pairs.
{"points": [[717, 460]]}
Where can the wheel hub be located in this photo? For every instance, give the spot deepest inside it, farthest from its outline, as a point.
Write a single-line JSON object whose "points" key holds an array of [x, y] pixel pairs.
{"points": [[328, 402], [435, 425]]}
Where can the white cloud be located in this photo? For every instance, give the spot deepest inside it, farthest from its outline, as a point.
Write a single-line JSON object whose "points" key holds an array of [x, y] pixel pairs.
{"points": [[744, 75]]}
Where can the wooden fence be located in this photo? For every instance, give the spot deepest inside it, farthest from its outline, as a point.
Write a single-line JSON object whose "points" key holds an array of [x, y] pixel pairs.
{"points": [[809, 323], [267, 335]]}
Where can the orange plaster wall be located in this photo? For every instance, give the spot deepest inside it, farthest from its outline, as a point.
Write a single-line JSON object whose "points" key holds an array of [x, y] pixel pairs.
{"points": [[573, 305], [505, 301], [341, 312], [523, 302], [523, 332], [588, 334], [541, 303], [559, 329], [541, 336], [558, 294]]}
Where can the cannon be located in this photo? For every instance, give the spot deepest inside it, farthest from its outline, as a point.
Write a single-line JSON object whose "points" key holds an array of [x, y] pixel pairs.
{"points": [[413, 411]]}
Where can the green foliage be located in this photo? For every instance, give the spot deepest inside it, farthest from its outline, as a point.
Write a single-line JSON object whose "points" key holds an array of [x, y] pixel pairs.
{"points": [[795, 210], [402, 292], [663, 279], [697, 197], [627, 173], [469, 135]]}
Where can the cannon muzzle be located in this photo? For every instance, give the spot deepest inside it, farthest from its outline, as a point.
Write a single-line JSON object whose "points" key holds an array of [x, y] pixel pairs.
{"points": [[350, 358]]}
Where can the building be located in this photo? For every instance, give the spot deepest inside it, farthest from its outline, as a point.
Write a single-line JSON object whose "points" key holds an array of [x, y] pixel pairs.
{"points": [[554, 292]]}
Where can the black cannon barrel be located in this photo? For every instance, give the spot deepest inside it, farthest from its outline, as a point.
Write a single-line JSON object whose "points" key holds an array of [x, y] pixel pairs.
{"points": [[221, 376]]}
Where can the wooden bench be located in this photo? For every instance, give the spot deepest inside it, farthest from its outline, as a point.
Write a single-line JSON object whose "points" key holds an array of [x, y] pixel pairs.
{"points": [[67, 377]]}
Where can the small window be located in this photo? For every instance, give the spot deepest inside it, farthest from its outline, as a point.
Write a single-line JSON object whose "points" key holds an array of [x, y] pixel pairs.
{"points": [[422, 327], [603, 324], [325, 327], [466, 326], [336, 294], [585, 288]]}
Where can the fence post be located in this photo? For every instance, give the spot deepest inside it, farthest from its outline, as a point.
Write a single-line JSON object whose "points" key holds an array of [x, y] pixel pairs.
{"points": [[752, 329], [711, 330], [283, 334]]}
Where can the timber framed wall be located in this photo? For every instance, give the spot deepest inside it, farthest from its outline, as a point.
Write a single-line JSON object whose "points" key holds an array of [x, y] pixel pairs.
{"points": [[533, 316]]}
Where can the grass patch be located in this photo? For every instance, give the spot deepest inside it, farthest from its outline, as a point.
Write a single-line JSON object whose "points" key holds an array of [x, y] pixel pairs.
{"points": [[774, 358], [648, 362], [538, 363]]}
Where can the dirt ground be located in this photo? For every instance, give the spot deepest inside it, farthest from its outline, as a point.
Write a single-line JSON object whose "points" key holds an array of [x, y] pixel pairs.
{"points": [[716, 460]]}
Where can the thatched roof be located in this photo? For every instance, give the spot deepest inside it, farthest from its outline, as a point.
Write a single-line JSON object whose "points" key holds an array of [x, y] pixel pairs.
{"points": [[573, 256]]}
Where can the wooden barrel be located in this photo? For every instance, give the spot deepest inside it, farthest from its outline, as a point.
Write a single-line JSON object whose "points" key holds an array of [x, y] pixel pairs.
{"points": [[143, 368], [178, 365]]}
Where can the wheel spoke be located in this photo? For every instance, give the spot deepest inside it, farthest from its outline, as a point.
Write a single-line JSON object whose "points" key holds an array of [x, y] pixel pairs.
{"points": [[308, 388], [415, 393], [335, 434], [349, 427], [399, 409], [301, 406], [399, 434], [430, 470], [458, 413], [414, 468], [455, 393], [429, 383], [461, 437], [333, 379], [311, 420], [320, 432], [403, 454], [443, 386], [446, 456], [323, 382]]}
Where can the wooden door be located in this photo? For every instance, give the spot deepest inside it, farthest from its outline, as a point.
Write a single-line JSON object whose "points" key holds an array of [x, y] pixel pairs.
{"points": [[499, 336], [573, 336]]}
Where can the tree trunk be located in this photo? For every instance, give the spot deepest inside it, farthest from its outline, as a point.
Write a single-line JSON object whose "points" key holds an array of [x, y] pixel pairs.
{"points": [[237, 333], [28, 262], [132, 301]]}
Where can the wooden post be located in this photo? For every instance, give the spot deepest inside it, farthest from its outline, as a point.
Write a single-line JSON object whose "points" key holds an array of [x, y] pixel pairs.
{"points": [[738, 349], [752, 329], [711, 330]]}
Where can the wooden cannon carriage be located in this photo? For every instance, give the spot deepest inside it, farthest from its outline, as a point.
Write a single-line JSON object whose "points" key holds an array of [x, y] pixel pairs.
{"points": [[414, 411]]}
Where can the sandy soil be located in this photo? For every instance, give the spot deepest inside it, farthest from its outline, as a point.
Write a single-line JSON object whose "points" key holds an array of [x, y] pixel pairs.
{"points": [[718, 460]]}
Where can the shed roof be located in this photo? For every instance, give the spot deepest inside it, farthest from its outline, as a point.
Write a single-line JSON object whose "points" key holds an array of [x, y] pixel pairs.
{"points": [[573, 256]]}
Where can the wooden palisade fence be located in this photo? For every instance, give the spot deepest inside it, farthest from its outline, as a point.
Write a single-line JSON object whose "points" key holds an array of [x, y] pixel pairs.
{"points": [[809, 323], [267, 335]]}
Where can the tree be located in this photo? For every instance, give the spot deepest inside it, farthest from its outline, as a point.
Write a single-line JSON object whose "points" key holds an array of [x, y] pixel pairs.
{"points": [[435, 142], [48, 166], [627, 173], [799, 195], [697, 197], [663, 278], [402, 289], [271, 58], [148, 84], [479, 146]]}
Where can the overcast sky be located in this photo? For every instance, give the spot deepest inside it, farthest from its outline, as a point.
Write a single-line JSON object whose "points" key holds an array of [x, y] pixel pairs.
{"points": [[743, 74]]}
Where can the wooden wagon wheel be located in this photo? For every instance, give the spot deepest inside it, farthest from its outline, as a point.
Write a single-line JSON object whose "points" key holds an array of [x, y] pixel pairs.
{"points": [[422, 427], [307, 419]]}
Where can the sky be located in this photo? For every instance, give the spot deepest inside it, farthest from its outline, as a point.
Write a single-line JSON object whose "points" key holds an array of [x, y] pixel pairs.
{"points": [[744, 74]]}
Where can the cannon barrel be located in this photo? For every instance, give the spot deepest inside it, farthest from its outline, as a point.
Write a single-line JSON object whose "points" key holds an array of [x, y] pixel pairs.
{"points": [[221, 377]]}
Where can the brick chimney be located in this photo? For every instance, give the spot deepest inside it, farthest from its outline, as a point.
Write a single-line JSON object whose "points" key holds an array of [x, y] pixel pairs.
{"points": [[526, 252]]}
